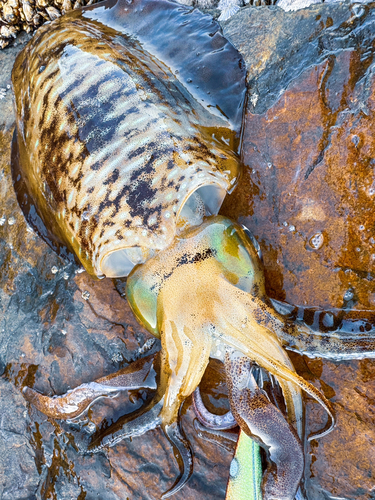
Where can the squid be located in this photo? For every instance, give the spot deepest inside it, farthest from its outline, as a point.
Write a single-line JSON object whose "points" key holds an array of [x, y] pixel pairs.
{"points": [[128, 134], [186, 296]]}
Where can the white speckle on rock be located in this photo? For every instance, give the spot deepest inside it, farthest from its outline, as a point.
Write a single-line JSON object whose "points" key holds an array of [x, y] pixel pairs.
{"points": [[254, 99], [348, 295], [316, 241]]}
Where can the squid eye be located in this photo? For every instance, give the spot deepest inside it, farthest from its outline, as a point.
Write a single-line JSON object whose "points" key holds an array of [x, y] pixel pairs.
{"points": [[253, 241], [119, 263], [202, 202]]}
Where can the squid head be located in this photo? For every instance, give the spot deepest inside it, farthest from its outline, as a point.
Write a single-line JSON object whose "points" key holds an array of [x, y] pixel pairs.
{"points": [[203, 295]]}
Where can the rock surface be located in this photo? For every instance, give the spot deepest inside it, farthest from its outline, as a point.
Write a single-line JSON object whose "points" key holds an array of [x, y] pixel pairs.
{"points": [[53, 338], [307, 195]]}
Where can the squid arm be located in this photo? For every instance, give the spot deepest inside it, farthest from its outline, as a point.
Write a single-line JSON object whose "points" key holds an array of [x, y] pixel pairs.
{"points": [[265, 424], [210, 420], [75, 402], [140, 374], [259, 418]]}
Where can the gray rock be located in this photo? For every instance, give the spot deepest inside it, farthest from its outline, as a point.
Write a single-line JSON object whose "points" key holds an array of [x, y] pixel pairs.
{"points": [[19, 477], [292, 5]]}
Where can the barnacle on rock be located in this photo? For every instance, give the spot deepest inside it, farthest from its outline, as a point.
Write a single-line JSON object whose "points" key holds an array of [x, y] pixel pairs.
{"points": [[26, 15], [8, 14], [53, 12], [8, 31], [28, 11]]}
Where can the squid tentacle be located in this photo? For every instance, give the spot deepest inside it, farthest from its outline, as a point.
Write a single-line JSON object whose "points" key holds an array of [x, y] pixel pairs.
{"points": [[348, 338], [284, 374], [183, 360], [262, 421], [274, 392], [210, 420], [140, 422], [185, 356], [293, 377], [135, 424]]}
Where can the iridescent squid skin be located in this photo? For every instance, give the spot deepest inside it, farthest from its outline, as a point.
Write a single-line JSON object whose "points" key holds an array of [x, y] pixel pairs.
{"points": [[110, 144], [124, 149]]}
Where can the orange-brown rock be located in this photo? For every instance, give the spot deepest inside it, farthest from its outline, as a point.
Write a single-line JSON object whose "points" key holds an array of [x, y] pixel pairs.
{"points": [[342, 464], [307, 195], [308, 190]]}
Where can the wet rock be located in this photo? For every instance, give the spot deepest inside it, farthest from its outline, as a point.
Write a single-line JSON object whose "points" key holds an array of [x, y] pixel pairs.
{"points": [[60, 328], [341, 465], [308, 193], [7, 58], [18, 473]]}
